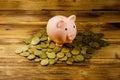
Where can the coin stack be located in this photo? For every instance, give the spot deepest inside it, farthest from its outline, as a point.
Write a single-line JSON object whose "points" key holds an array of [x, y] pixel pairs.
{"points": [[39, 49]]}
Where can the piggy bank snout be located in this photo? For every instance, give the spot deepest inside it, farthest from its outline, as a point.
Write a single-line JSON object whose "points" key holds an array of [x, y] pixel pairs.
{"points": [[71, 36]]}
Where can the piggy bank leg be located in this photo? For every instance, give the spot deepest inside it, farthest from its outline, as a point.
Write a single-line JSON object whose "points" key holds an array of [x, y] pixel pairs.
{"points": [[49, 39], [59, 45], [70, 42]]}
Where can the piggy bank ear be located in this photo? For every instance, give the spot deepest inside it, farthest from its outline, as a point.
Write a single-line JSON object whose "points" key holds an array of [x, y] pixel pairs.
{"points": [[60, 24], [72, 18]]}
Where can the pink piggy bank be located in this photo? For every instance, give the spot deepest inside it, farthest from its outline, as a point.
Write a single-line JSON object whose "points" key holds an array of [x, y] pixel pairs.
{"points": [[61, 29]]}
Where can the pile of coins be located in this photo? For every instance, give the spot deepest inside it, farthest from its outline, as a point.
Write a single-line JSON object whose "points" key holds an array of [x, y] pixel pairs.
{"points": [[39, 49]]}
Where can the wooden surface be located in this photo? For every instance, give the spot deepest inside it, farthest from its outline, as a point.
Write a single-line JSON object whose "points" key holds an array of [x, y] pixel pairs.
{"points": [[19, 19], [104, 65]]}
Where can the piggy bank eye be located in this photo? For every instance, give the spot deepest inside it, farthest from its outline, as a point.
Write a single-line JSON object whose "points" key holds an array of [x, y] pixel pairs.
{"points": [[73, 26], [66, 29]]}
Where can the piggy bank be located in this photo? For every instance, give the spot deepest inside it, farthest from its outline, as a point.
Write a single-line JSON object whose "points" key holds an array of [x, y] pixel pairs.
{"points": [[61, 29]]}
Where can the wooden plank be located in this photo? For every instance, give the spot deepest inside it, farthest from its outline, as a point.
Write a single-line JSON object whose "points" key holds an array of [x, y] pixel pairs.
{"points": [[41, 17], [13, 32], [60, 72], [59, 5]]}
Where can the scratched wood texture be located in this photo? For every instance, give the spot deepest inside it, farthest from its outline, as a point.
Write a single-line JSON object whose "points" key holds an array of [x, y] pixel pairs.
{"points": [[19, 19]]}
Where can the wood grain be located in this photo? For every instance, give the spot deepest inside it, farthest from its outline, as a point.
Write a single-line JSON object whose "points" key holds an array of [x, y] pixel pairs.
{"points": [[64, 73], [41, 17], [20, 19], [111, 32], [59, 5], [14, 67], [104, 65]]}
